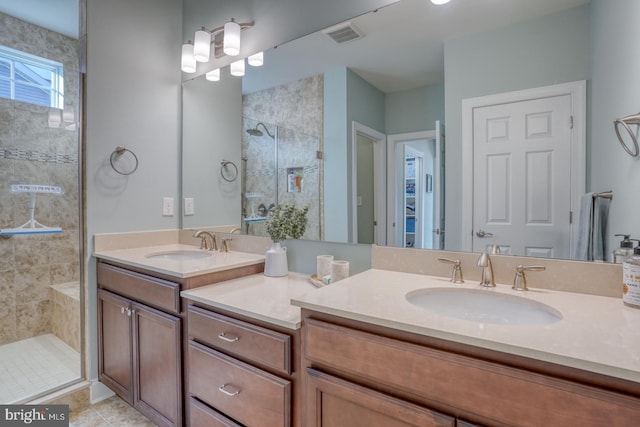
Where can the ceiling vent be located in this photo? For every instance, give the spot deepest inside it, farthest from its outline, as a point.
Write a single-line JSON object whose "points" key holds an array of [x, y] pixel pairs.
{"points": [[344, 32]]}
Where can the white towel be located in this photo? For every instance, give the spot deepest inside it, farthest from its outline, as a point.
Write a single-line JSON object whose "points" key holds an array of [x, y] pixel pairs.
{"points": [[592, 229]]}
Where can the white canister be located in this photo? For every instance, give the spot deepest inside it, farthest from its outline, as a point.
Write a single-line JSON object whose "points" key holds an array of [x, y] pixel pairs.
{"points": [[339, 270], [323, 265], [275, 263]]}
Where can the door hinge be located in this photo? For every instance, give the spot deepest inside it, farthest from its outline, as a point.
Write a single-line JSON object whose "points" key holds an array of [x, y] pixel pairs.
{"points": [[570, 122], [319, 155], [375, 223], [570, 217]]}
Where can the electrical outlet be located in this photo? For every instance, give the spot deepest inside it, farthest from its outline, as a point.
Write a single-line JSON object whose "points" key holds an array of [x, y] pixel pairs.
{"points": [[167, 206], [189, 208]]}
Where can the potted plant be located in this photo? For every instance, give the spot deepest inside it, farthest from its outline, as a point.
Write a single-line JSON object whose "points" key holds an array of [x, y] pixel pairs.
{"points": [[286, 222]]}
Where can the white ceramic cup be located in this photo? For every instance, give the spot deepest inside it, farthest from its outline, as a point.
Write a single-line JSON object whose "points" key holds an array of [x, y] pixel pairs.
{"points": [[323, 265], [339, 270]]}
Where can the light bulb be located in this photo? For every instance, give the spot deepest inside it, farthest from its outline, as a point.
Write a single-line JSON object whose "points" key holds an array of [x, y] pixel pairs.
{"points": [[237, 68], [213, 76], [256, 60], [439, 2], [188, 61], [202, 46], [231, 43]]}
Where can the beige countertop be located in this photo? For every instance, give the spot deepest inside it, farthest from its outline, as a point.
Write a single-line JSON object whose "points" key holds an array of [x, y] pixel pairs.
{"points": [[598, 334], [258, 297], [217, 261]]}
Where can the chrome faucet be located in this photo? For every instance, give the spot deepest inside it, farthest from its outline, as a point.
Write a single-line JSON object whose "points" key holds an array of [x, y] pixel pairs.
{"points": [[484, 261], [224, 245], [204, 244], [234, 229]]}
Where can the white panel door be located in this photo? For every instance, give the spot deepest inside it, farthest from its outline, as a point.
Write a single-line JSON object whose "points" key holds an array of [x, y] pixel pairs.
{"points": [[522, 177]]}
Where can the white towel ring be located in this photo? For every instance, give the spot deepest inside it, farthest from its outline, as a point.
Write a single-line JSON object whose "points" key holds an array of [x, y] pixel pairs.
{"points": [[625, 122]]}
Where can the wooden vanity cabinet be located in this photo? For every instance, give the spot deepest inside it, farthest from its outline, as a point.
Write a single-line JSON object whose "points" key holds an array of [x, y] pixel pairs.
{"points": [[140, 354], [240, 371], [390, 378]]}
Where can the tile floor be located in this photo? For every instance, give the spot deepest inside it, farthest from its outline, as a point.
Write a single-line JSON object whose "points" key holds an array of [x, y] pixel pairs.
{"points": [[34, 366], [110, 412]]}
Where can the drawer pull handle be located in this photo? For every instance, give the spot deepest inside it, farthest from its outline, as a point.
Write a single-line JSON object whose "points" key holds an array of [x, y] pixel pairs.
{"points": [[231, 338], [232, 392]]}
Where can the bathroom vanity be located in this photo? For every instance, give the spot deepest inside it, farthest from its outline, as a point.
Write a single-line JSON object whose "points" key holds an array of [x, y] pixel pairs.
{"points": [[141, 321], [370, 355]]}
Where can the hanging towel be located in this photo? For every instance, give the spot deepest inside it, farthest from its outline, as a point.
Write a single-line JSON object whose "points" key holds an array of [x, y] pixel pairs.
{"points": [[592, 229]]}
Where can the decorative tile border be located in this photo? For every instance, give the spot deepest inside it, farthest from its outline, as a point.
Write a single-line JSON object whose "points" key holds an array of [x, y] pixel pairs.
{"points": [[37, 156]]}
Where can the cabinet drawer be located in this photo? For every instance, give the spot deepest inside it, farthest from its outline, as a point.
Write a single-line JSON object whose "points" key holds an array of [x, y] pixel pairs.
{"points": [[200, 415], [435, 376], [243, 392], [149, 290], [260, 345]]}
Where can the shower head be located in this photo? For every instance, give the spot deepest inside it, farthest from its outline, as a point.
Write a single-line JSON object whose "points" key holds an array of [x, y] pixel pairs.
{"points": [[257, 132]]}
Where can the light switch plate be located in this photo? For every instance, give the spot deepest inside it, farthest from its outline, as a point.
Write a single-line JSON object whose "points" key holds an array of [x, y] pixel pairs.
{"points": [[167, 206], [189, 208]]}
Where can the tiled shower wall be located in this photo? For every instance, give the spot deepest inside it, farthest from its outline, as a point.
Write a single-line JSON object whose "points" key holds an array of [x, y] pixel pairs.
{"points": [[37, 147], [296, 108]]}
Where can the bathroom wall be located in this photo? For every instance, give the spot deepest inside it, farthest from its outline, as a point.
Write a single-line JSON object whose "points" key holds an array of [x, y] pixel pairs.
{"points": [[132, 99], [296, 109], [544, 51], [414, 110], [37, 147], [615, 66]]}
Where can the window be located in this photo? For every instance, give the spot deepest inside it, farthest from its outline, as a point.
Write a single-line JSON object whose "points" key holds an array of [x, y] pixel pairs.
{"points": [[29, 78]]}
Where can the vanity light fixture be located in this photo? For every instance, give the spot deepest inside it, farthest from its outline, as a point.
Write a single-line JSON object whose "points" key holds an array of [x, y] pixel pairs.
{"points": [[237, 68], [439, 2], [202, 45], [213, 76], [231, 43], [188, 63], [256, 60]]}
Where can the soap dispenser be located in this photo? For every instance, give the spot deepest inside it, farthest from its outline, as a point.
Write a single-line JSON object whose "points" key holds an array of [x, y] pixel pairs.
{"points": [[624, 251], [631, 279]]}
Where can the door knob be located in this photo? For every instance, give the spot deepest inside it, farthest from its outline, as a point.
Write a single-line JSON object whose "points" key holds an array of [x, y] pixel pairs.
{"points": [[482, 233]]}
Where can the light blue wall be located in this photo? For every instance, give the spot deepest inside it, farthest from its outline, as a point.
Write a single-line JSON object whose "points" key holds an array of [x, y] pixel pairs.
{"points": [[414, 110], [212, 123], [541, 52], [336, 227], [132, 99], [615, 65]]}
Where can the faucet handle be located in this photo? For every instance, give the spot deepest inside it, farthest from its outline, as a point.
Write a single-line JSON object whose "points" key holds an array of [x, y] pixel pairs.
{"points": [[224, 244], [456, 274], [520, 281]]}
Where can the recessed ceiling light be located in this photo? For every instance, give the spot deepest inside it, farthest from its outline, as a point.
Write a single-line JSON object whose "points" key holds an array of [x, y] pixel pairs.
{"points": [[439, 1]]}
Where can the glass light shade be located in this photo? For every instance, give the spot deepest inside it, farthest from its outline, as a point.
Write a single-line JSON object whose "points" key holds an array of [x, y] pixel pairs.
{"points": [[202, 46], [237, 68], [188, 61], [256, 60], [231, 43], [213, 76], [439, 1]]}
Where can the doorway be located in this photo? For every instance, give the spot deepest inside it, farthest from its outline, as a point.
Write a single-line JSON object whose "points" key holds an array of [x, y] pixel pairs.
{"points": [[414, 191]]}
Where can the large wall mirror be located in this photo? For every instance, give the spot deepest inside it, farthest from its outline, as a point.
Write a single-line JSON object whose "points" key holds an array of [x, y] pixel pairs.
{"points": [[380, 135]]}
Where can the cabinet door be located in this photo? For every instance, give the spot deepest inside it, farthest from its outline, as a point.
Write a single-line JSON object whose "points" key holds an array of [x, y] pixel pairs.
{"points": [[157, 365], [333, 402], [114, 335]]}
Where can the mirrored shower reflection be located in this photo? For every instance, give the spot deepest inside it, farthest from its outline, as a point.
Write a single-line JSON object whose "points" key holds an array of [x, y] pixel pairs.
{"points": [[279, 166]]}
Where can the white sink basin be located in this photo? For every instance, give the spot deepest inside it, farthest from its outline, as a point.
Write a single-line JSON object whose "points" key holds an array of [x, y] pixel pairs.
{"points": [[484, 306], [180, 255]]}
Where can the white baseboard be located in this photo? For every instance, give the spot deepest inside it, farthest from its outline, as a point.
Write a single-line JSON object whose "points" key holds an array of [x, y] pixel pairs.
{"points": [[99, 392]]}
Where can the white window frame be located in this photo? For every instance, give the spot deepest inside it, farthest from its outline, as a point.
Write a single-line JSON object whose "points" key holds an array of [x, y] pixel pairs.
{"points": [[56, 89]]}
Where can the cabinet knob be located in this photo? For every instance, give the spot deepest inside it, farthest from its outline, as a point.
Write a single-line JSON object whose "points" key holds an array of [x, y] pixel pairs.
{"points": [[229, 390], [228, 338]]}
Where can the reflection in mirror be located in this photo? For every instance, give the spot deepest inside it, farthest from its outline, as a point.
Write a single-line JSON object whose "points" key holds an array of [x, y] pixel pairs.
{"points": [[447, 55]]}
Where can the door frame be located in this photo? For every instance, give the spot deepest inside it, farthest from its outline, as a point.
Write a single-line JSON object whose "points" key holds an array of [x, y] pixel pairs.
{"points": [[379, 170], [578, 92], [392, 142]]}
